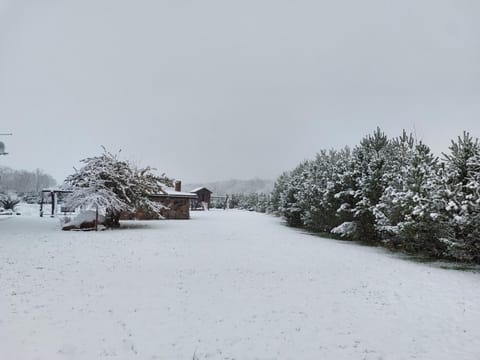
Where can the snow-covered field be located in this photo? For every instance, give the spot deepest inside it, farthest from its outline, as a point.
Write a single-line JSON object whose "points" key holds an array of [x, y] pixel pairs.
{"points": [[224, 285]]}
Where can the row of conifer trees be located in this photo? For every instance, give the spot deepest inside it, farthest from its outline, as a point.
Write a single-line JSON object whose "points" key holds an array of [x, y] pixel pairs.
{"points": [[252, 201], [390, 191]]}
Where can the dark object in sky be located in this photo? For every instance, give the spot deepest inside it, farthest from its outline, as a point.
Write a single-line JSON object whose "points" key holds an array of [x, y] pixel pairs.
{"points": [[2, 149]]}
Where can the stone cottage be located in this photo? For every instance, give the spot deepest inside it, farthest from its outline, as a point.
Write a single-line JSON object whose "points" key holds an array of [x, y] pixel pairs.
{"points": [[178, 202]]}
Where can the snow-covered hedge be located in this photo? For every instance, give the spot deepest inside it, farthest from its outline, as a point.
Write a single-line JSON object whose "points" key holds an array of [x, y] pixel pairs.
{"points": [[390, 191]]}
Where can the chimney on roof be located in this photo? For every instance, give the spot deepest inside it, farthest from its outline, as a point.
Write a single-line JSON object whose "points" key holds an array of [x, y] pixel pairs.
{"points": [[178, 185]]}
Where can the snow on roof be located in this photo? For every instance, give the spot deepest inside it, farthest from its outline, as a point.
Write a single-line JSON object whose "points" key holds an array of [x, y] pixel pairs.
{"points": [[198, 189], [170, 192]]}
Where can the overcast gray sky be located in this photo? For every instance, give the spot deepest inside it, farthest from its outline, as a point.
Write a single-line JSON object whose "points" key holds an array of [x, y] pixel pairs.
{"points": [[207, 90]]}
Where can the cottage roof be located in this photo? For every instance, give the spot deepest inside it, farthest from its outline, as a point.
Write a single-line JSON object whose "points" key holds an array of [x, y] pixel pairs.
{"points": [[200, 188], [171, 193]]}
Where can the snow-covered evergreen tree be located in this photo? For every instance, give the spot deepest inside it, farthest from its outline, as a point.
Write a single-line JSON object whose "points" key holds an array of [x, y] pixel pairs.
{"points": [[262, 203], [472, 205], [424, 224], [321, 184], [462, 169], [345, 189], [279, 188], [289, 197], [372, 159], [390, 191], [392, 207]]}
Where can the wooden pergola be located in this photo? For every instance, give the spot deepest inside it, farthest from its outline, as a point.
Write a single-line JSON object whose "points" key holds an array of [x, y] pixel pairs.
{"points": [[53, 194]]}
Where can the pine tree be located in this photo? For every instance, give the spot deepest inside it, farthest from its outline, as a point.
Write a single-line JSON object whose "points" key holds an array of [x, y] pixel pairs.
{"points": [[372, 161], [462, 168], [289, 204], [278, 189], [472, 204], [392, 207], [390, 191], [321, 184], [424, 227]]}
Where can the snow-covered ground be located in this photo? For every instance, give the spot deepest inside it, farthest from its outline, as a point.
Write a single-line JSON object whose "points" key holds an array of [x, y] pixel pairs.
{"points": [[224, 285]]}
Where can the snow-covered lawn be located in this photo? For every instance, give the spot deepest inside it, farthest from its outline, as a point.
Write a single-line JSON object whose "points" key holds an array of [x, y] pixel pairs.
{"points": [[224, 285]]}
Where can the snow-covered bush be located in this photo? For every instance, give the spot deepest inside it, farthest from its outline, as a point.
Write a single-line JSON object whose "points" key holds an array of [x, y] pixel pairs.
{"points": [[114, 186], [345, 230], [9, 201]]}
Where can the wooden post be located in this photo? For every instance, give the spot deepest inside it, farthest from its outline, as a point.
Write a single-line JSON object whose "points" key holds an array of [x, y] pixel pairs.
{"points": [[52, 195], [226, 203], [96, 218], [41, 205]]}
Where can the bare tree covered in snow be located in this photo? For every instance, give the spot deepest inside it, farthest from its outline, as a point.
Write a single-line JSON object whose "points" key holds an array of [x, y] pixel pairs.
{"points": [[114, 186], [23, 181]]}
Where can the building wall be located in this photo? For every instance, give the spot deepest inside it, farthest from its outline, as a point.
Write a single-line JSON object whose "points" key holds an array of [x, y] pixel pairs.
{"points": [[178, 208]]}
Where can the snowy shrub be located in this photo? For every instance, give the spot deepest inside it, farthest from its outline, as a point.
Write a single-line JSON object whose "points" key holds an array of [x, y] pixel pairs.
{"points": [[113, 186], [9, 201], [345, 230]]}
